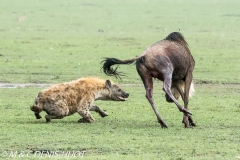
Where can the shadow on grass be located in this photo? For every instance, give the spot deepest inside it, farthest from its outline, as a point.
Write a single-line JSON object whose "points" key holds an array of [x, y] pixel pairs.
{"points": [[111, 123]]}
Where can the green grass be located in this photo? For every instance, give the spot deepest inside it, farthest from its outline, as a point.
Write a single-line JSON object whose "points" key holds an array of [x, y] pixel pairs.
{"points": [[57, 41], [131, 129]]}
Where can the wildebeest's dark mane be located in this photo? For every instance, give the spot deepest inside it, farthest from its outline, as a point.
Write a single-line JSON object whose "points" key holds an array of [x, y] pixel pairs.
{"points": [[178, 37]]}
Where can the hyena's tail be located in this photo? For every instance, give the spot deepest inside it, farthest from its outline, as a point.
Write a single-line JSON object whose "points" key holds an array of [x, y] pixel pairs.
{"points": [[36, 108]]}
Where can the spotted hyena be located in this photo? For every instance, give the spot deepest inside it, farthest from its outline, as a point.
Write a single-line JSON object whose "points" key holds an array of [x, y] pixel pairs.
{"points": [[68, 98]]}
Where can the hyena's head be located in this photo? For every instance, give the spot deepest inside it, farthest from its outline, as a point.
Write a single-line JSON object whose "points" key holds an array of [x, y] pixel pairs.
{"points": [[175, 92], [115, 92]]}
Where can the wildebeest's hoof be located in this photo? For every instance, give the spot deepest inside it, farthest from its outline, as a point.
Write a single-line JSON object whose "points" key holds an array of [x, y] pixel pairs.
{"points": [[163, 124], [192, 124], [189, 124]]}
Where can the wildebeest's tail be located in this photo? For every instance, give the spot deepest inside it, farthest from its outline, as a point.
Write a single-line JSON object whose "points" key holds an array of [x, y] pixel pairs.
{"points": [[108, 62]]}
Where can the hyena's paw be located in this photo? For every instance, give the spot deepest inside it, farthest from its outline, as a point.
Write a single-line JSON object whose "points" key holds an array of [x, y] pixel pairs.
{"points": [[103, 114], [48, 119], [83, 120], [37, 115]]}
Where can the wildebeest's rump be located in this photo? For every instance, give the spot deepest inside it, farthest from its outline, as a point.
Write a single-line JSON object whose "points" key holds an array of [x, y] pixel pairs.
{"points": [[77, 96], [170, 61]]}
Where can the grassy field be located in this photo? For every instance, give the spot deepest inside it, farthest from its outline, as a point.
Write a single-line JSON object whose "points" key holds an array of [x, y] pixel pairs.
{"points": [[57, 41]]}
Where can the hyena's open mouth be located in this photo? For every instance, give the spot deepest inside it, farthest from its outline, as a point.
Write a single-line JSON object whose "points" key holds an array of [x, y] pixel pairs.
{"points": [[123, 97]]}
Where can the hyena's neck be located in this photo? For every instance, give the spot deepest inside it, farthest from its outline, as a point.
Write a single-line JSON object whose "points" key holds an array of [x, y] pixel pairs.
{"points": [[102, 94]]}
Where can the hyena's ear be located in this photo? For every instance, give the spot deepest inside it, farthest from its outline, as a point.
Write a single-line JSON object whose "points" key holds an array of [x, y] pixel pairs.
{"points": [[108, 84]]}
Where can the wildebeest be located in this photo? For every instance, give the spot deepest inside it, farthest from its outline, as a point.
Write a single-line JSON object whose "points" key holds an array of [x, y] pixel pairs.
{"points": [[68, 98], [170, 61]]}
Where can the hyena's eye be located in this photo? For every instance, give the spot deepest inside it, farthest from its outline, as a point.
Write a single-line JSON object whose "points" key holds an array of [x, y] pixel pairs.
{"points": [[119, 90]]}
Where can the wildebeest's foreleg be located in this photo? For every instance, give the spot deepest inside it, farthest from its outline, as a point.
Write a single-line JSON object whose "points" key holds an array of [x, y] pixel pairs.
{"points": [[99, 111], [148, 84], [167, 88], [187, 120], [149, 90]]}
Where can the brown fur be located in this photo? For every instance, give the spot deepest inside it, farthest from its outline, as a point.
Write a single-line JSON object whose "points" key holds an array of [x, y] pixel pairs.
{"points": [[170, 61], [177, 94], [77, 96]]}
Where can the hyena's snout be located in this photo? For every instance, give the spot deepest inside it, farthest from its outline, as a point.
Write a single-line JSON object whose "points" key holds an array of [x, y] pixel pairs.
{"points": [[116, 93], [125, 95], [122, 96]]}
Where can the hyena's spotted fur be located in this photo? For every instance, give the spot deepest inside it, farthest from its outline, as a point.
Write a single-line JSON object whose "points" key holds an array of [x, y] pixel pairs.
{"points": [[68, 98]]}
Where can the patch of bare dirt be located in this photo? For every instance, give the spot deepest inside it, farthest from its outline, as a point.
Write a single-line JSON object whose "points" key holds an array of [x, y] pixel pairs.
{"points": [[23, 85]]}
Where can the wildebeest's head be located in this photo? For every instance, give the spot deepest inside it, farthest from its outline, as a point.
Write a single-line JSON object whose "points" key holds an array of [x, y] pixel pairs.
{"points": [[115, 92]]}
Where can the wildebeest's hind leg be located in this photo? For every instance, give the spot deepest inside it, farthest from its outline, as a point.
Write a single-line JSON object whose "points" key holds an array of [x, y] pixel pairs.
{"points": [[167, 82], [148, 84], [187, 119], [99, 111]]}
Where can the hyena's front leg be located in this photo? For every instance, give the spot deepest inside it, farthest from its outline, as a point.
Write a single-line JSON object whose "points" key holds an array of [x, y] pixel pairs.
{"points": [[84, 111], [87, 117], [99, 111]]}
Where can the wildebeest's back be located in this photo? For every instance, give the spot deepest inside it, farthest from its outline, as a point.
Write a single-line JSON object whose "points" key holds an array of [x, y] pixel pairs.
{"points": [[165, 53]]}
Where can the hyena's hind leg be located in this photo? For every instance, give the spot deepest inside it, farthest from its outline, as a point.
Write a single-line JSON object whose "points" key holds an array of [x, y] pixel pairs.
{"points": [[37, 115], [56, 110], [48, 117], [99, 111], [36, 109]]}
